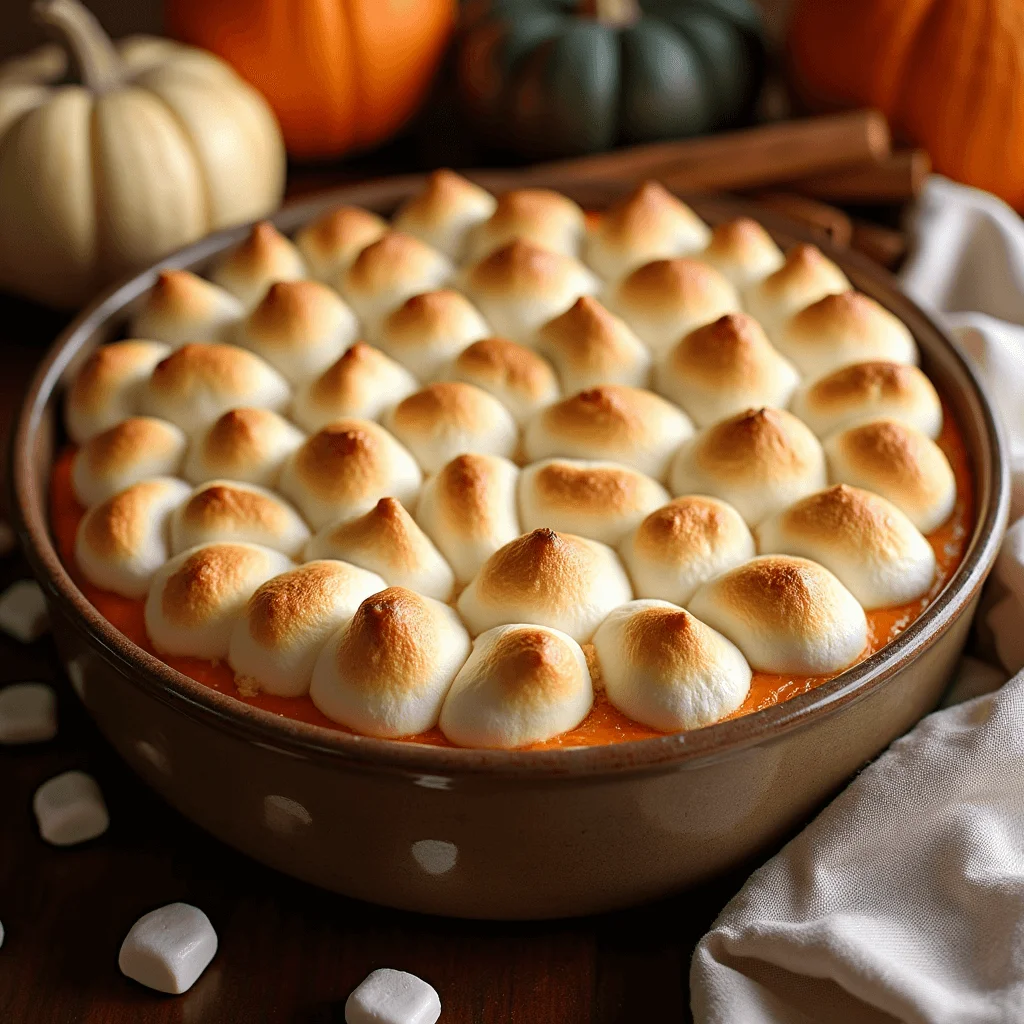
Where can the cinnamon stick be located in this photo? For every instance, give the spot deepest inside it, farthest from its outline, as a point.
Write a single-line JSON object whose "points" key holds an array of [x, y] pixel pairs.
{"points": [[825, 221], [884, 245], [894, 179]]}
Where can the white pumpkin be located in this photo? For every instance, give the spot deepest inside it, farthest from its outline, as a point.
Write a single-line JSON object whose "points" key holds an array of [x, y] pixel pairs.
{"points": [[159, 145]]}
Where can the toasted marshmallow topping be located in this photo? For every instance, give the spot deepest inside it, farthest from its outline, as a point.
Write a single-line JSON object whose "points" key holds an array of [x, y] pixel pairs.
{"points": [[445, 211], [668, 670], [287, 621], [344, 469], [899, 463], [666, 299], [627, 425], [122, 541], [521, 685], [599, 500], [743, 252], [519, 378], [648, 224], [805, 277], [786, 614], [521, 286], [723, 368], [468, 509], [870, 391], [109, 387], [448, 419], [183, 307], [226, 510], [535, 215], [198, 596], [684, 544], [362, 382], [842, 329], [428, 331], [299, 327], [870, 545], [331, 243], [196, 384], [590, 346], [135, 449], [388, 671], [387, 541], [759, 461], [549, 579], [251, 268], [247, 444], [389, 271]]}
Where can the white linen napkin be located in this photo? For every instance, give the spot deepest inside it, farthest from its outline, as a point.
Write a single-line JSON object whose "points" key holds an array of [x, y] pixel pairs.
{"points": [[904, 899]]}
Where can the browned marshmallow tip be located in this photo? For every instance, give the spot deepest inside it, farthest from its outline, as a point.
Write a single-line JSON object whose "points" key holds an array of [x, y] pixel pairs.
{"points": [[344, 469], [724, 367], [444, 212], [299, 327], [427, 331], [665, 299], [387, 541], [759, 461], [331, 243], [549, 579], [196, 384], [109, 387], [468, 509], [287, 621], [899, 463], [182, 307], [590, 346], [444, 420], [387, 671], [870, 545], [226, 510], [870, 391], [135, 449], [521, 685], [363, 382], [251, 268], [684, 544], [521, 286], [842, 329], [122, 541], [742, 251], [627, 425], [648, 224], [599, 500], [665, 668], [786, 614], [535, 215], [198, 596], [519, 378], [247, 444]]}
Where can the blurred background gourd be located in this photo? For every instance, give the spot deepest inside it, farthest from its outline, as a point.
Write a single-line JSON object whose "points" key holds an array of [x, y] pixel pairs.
{"points": [[948, 73], [156, 145], [548, 78], [340, 74]]}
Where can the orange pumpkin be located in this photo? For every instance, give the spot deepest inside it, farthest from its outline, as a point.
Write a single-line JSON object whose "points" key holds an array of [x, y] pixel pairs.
{"points": [[948, 73], [340, 74]]}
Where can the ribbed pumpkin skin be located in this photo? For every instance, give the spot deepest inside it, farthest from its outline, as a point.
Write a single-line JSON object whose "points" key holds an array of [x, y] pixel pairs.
{"points": [[948, 73], [339, 74], [543, 80]]}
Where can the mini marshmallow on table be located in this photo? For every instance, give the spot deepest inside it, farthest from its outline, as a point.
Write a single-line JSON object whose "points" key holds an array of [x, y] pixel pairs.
{"points": [[23, 613], [168, 948], [393, 997], [28, 713], [70, 809]]}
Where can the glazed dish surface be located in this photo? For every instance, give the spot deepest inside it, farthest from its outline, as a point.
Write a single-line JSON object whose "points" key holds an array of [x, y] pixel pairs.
{"points": [[500, 473]]}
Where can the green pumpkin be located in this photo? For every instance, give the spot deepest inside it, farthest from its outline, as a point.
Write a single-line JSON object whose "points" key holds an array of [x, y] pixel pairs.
{"points": [[545, 78]]}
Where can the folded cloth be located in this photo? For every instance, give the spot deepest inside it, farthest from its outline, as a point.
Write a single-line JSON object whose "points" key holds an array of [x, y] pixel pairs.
{"points": [[904, 899]]}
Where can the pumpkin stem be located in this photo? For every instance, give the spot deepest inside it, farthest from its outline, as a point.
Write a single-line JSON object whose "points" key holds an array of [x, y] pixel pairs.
{"points": [[83, 36], [613, 13]]}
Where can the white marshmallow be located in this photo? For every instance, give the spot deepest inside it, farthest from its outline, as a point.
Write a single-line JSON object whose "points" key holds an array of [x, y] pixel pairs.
{"points": [[28, 713], [69, 809], [330, 244], [251, 268], [23, 611], [445, 211], [167, 949], [182, 307], [392, 997], [539, 216], [742, 251]]}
